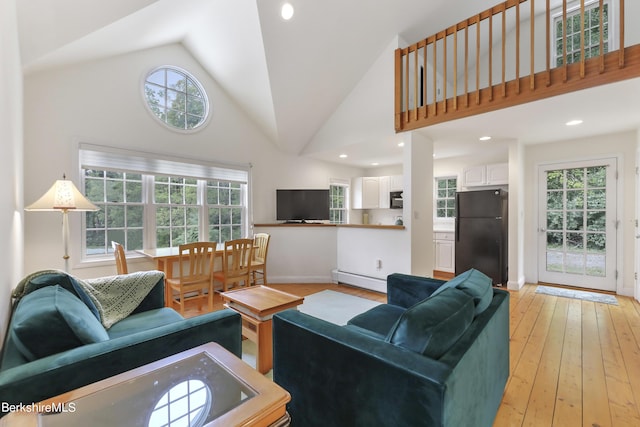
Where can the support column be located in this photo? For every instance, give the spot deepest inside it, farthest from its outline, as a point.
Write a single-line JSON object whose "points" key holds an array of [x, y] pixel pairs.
{"points": [[418, 201], [516, 216]]}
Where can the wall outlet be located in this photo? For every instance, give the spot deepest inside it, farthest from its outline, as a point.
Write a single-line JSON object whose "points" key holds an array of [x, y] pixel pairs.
{"points": [[378, 264]]}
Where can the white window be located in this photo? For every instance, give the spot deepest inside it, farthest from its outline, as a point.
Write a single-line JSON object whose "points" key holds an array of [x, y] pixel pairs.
{"points": [[157, 202], [446, 197], [339, 203], [176, 98], [591, 32]]}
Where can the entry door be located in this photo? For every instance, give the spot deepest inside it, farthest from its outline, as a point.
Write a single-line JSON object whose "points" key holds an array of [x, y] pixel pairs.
{"points": [[577, 224]]}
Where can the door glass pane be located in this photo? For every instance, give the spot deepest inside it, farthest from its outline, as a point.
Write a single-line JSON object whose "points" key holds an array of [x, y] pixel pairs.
{"points": [[576, 221]]}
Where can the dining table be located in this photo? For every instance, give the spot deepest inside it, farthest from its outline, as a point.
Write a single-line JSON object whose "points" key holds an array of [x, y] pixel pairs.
{"points": [[165, 258]]}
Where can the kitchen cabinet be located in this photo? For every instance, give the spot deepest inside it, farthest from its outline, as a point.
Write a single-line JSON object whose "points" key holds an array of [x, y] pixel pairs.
{"points": [[396, 183], [444, 250], [365, 192], [384, 185], [493, 174]]}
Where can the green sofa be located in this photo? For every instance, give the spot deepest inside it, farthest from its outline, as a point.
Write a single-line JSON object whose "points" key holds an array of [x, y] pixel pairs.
{"points": [[437, 354], [56, 341]]}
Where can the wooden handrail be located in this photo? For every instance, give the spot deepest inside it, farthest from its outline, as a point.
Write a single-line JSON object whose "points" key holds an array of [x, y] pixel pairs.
{"points": [[420, 102]]}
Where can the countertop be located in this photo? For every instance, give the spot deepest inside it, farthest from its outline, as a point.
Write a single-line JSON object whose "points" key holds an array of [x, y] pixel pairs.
{"points": [[309, 224]]}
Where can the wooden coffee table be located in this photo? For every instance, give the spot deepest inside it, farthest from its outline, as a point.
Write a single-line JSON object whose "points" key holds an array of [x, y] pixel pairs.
{"points": [[220, 388], [257, 305]]}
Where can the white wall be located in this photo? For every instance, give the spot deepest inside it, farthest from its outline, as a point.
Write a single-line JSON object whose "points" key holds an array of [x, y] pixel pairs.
{"points": [[101, 102], [613, 145], [11, 216]]}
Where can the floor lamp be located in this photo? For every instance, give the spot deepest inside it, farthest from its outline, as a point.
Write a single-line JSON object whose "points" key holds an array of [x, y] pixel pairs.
{"points": [[63, 196]]}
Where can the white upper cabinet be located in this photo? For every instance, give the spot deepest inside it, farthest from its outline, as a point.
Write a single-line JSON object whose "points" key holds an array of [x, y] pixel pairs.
{"points": [[396, 183], [365, 192], [384, 183], [494, 174]]}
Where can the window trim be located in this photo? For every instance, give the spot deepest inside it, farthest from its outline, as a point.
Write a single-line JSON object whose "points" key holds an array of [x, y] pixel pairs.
{"points": [[436, 198], [122, 160], [347, 201], [571, 9], [208, 110]]}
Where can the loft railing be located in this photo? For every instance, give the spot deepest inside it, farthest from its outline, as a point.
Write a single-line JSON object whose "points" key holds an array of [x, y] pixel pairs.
{"points": [[477, 65]]}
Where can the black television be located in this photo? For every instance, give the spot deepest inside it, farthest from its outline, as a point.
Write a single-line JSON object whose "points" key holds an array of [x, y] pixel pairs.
{"points": [[302, 205]]}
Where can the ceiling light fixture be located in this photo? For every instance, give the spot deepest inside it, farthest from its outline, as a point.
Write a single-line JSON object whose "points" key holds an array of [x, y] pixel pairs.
{"points": [[400, 144], [375, 164], [485, 138], [574, 122], [343, 156], [287, 11]]}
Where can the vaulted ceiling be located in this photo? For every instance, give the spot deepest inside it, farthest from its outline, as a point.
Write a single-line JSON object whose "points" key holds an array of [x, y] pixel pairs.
{"points": [[291, 76]]}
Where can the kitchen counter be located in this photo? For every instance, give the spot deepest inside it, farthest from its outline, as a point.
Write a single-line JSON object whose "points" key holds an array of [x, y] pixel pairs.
{"points": [[308, 224]]}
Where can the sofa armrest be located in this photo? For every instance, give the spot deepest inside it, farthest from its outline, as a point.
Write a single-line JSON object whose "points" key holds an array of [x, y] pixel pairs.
{"points": [[405, 290], [337, 376], [62, 372]]}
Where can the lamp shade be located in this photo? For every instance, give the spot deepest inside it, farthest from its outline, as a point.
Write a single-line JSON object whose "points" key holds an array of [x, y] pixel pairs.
{"points": [[63, 195]]}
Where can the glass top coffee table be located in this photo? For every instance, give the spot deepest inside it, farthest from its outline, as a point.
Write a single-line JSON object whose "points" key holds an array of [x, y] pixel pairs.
{"points": [[204, 386]]}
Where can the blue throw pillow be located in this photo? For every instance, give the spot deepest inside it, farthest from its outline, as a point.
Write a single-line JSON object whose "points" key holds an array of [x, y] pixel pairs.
{"points": [[51, 320], [476, 284], [433, 325]]}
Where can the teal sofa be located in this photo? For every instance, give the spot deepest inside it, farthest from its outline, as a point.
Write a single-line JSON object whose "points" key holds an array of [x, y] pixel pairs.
{"points": [[56, 342], [437, 354]]}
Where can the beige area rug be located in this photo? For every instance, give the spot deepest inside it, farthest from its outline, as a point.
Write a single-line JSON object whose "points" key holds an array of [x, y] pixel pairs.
{"points": [[576, 294], [332, 306]]}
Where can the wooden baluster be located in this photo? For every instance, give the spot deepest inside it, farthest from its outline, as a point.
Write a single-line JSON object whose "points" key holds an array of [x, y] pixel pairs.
{"points": [[532, 82], [478, 60], [398, 89], [564, 40], [504, 53], [435, 80], [455, 68], [582, 52], [491, 57], [406, 89], [466, 64], [549, 43], [424, 81], [444, 70], [415, 83], [621, 47], [517, 46]]}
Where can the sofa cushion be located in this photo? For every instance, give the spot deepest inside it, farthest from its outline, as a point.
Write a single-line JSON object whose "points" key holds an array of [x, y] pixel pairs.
{"points": [[144, 321], [433, 325], [44, 278], [379, 319], [476, 284], [50, 320]]}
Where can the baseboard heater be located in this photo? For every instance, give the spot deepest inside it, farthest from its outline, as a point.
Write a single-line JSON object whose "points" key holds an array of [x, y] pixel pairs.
{"points": [[372, 283]]}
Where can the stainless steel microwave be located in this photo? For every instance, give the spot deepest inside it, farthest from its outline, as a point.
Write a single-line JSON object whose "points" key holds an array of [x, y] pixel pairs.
{"points": [[395, 200]]}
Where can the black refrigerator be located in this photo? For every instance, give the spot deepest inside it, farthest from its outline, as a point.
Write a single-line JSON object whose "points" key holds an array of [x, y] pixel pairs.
{"points": [[481, 233]]}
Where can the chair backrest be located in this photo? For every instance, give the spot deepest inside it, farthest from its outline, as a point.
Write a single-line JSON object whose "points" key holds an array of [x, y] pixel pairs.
{"points": [[261, 246], [121, 260], [237, 257], [196, 260]]}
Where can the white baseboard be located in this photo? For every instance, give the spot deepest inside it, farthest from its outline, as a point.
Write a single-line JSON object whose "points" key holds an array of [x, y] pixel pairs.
{"points": [[372, 283]]}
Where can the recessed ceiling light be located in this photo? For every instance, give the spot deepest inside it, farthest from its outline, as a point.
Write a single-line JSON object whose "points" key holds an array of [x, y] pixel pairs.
{"points": [[485, 138], [574, 122], [343, 156], [400, 144], [375, 164], [287, 11]]}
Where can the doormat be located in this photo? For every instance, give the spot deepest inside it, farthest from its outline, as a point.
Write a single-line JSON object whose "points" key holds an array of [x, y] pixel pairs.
{"points": [[583, 295]]}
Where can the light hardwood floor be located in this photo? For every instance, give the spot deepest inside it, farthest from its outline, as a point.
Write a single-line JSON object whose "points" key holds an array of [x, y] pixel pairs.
{"points": [[573, 363]]}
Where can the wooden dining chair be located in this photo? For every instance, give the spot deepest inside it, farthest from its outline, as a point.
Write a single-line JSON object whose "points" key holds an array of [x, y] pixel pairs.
{"points": [[236, 264], [259, 263], [121, 260], [194, 282]]}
